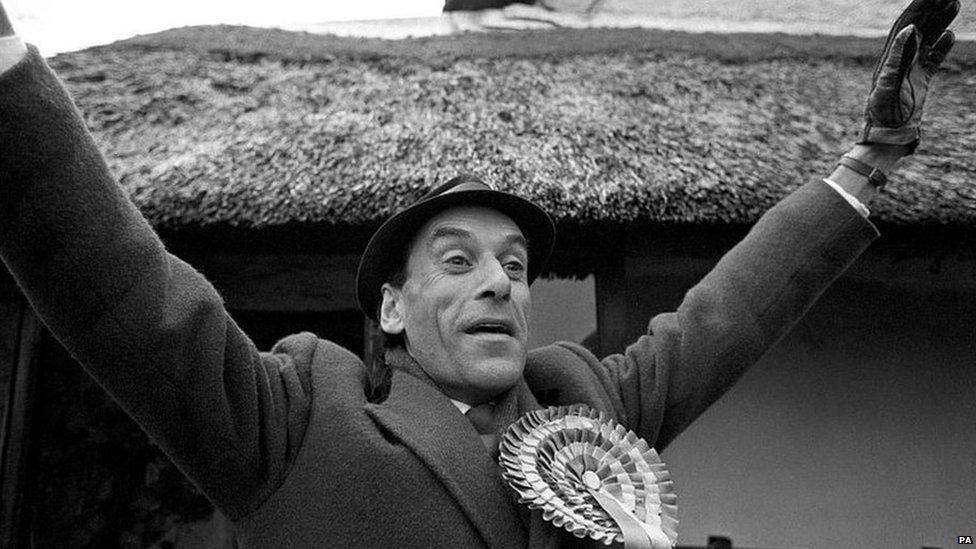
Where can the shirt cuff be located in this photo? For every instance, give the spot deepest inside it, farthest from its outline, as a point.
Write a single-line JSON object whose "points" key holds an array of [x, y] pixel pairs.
{"points": [[850, 198], [12, 50]]}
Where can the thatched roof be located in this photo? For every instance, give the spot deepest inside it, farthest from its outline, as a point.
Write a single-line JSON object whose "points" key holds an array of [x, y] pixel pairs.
{"points": [[238, 127]]}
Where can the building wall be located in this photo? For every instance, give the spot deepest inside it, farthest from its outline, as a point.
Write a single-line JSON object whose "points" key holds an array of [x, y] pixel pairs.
{"points": [[562, 310], [857, 430]]}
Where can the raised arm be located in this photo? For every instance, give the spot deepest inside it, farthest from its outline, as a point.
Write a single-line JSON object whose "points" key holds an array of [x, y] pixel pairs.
{"points": [[762, 287], [148, 327]]}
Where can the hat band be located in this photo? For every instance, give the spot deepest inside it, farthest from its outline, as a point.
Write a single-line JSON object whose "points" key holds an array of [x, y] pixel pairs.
{"points": [[468, 186]]}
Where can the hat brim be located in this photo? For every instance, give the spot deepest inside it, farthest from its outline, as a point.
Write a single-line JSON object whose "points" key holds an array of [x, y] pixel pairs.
{"points": [[387, 249]]}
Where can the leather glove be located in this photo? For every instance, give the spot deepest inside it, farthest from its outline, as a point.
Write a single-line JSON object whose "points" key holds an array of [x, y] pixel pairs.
{"points": [[916, 46]]}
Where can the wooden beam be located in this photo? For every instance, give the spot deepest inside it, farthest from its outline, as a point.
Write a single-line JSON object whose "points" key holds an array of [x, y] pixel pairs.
{"points": [[14, 438], [611, 306], [372, 343], [9, 330], [294, 282]]}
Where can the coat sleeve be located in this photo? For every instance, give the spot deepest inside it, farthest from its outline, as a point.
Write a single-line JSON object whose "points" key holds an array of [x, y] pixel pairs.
{"points": [[148, 327], [755, 294]]}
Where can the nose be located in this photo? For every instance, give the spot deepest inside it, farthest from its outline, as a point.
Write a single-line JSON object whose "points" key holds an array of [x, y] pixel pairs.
{"points": [[496, 283]]}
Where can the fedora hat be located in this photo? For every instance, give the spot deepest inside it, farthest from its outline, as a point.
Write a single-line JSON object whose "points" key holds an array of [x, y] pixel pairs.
{"points": [[387, 249]]}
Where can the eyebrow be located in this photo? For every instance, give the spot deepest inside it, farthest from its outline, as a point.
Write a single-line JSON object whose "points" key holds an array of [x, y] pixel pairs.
{"points": [[517, 239], [448, 231]]}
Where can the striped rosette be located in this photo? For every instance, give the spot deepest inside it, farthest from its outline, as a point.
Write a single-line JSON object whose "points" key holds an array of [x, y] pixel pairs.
{"points": [[591, 476]]}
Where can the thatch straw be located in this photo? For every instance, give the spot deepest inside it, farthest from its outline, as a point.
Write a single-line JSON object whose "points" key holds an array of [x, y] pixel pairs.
{"points": [[231, 126]]}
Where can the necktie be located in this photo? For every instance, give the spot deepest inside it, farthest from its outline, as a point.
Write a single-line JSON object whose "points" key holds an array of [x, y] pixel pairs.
{"points": [[481, 417]]}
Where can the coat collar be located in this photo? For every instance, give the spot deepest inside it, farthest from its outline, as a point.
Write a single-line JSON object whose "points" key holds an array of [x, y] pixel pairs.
{"points": [[426, 422]]}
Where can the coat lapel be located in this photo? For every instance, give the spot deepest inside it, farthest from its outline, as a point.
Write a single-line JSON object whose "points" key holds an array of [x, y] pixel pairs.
{"points": [[439, 435], [511, 406]]}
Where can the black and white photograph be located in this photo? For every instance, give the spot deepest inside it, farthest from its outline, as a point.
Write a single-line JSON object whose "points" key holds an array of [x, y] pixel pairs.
{"points": [[635, 274]]}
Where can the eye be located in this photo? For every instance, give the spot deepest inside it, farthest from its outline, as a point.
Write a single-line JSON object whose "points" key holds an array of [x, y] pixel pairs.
{"points": [[515, 266], [457, 261]]}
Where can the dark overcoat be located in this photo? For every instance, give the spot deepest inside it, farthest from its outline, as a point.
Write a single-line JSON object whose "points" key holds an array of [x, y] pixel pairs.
{"points": [[286, 443]]}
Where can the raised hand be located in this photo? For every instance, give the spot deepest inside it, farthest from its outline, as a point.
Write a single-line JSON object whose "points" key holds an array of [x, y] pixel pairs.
{"points": [[916, 46]]}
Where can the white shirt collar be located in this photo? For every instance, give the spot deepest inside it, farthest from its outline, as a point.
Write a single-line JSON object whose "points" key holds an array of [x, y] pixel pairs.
{"points": [[12, 50], [463, 406]]}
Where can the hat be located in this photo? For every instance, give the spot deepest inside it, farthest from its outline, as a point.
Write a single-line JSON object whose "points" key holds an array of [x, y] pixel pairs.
{"points": [[386, 251]]}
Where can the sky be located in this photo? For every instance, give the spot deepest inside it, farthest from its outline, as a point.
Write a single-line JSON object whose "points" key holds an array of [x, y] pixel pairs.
{"points": [[65, 25], [57, 26]]}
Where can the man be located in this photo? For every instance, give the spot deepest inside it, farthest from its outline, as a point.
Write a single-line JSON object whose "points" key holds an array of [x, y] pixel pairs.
{"points": [[288, 444]]}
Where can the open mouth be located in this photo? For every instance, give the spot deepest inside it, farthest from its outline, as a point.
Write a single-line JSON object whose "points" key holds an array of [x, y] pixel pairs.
{"points": [[490, 327]]}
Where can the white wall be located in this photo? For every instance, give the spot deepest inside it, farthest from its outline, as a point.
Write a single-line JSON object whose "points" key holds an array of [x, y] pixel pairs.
{"points": [[562, 310], [858, 430]]}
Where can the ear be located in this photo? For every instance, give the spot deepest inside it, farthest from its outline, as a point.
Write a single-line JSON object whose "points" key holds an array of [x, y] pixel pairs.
{"points": [[391, 317]]}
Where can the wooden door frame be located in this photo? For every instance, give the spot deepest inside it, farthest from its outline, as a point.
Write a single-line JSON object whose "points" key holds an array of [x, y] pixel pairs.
{"points": [[15, 443]]}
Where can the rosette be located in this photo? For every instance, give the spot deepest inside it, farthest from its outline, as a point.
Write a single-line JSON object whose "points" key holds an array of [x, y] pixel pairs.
{"points": [[590, 475]]}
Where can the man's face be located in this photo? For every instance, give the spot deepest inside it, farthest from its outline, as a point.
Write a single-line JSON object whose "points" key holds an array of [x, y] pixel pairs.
{"points": [[464, 306]]}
